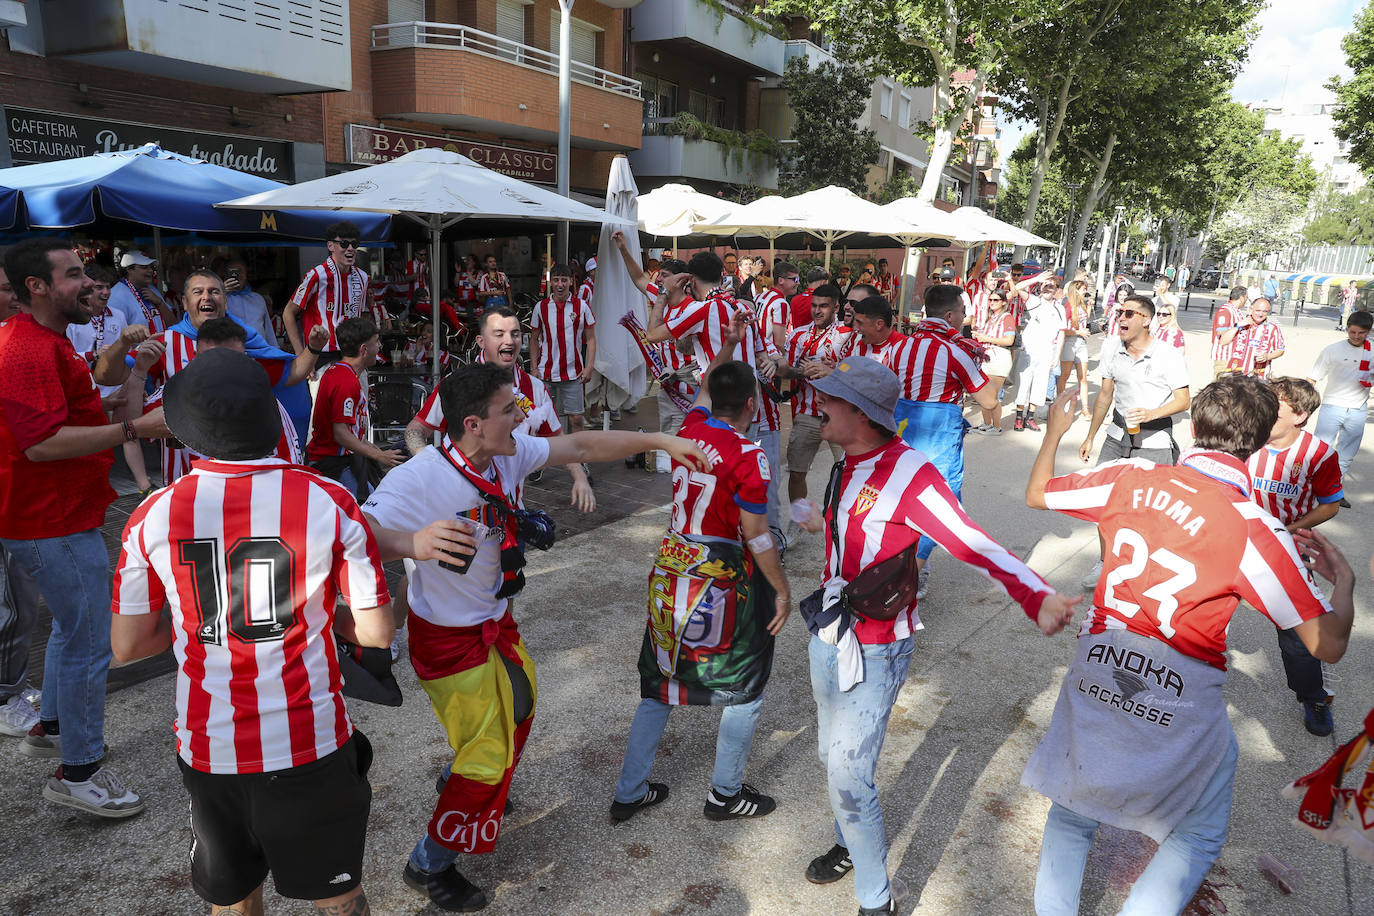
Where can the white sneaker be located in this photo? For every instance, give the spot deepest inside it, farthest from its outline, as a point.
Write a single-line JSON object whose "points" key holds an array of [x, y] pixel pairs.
{"points": [[33, 695], [1090, 580], [923, 581], [102, 795], [17, 717]]}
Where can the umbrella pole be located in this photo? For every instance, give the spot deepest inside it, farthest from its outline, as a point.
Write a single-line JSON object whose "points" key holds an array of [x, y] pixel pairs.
{"points": [[157, 251], [434, 301], [827, 253]]}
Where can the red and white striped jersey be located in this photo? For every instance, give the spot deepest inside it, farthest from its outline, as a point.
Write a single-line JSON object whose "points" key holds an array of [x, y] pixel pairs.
{"points": [[180, 351], [499, 283], [809, 343], [560, 328], [885, 284], [999, 326], [673, 358], [1185, 544], [979, 293], [1252, 341], [339, 399], [541, 419], [708, 503], [584, 292], [1222, 321], [326, 297], [933, 368], [419, 269], [467, 286], [768, 416], [250, 558], [1171, 335], [707, 320], [771, 308], [854, 346], [1290, 482], [889, 497]]}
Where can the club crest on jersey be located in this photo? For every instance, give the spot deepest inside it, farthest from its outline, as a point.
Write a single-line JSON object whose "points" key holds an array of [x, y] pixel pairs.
{"points": [[868, 497]]}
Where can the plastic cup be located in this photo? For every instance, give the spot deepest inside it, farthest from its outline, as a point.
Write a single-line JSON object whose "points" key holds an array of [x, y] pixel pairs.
{"points": [[1285, 878]]}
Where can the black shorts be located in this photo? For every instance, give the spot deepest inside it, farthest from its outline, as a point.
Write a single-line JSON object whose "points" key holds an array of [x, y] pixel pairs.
{"points": [[306, 825]]}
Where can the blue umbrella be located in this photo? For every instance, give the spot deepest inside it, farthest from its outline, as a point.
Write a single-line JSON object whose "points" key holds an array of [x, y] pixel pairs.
{"points": [[152, 187]]}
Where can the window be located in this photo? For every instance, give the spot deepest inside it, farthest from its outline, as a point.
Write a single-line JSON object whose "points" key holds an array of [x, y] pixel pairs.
{"points": [[510, 25], [660, 102], [405, 10], [904, 111], [708, 109], [583, 39], [885, 100]]}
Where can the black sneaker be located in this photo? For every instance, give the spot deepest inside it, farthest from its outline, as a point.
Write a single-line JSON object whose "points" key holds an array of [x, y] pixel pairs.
{"points": [[889, 907], [447, 889], [623, 811], [747, 802], [536, 476], [1316, 718], [830, 867], [1345, 503]]}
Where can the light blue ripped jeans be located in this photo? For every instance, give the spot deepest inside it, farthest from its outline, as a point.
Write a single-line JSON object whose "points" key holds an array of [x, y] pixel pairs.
{"points": [[850, 728]]}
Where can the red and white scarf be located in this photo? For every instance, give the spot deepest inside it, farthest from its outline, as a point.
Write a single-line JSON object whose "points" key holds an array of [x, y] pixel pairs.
{"points": [[151, 314], [1363, 375], [342, 299], [942, 329]]}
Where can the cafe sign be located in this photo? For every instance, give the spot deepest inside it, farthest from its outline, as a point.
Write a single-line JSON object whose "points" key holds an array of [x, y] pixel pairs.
{"points": [[46, 136], [371, 145]]}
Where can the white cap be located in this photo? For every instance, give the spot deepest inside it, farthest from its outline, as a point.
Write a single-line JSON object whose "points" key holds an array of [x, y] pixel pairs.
{"points": [[135, 258], [591, 264]]}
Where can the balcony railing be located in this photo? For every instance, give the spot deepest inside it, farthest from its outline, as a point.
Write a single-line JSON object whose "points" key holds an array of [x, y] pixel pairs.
{"points": [[450, 36]]}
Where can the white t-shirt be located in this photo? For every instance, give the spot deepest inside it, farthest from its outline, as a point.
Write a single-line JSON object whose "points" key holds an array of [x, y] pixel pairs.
{"points": [[1339, 365], [1045, 319], [1148, 382], [89, 339], [427, 488]]}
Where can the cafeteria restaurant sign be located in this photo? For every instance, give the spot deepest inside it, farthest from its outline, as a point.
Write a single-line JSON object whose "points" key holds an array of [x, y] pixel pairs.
{"points": [[372, 145], [46, 136]]}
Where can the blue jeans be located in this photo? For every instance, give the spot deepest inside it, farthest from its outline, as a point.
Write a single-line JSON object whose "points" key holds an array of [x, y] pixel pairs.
{"points": [[736, 734], [771, 443], [73, 576], [1342, 428], [850, 728], [1173, 875]]}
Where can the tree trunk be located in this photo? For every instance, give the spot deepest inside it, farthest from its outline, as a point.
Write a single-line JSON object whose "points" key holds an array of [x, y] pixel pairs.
{"points": [[1046, 139], [947, 121], [1090, 202]]}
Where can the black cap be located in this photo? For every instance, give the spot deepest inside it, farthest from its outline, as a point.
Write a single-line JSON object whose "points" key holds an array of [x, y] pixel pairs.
{"points": [[222, 406]]}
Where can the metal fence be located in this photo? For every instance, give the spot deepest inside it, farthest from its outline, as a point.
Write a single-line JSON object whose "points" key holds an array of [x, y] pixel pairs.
{"points": [[1321, 259]]}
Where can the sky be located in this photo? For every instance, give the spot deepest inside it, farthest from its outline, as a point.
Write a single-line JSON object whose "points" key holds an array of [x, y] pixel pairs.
{"points": [[1297, 50]]}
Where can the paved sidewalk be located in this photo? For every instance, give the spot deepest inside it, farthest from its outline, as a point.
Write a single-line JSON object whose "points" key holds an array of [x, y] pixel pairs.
{"points": [[964, 835]]}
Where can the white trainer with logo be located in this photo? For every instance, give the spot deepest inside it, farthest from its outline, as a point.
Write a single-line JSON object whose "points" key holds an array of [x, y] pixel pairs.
{"points": [[102, 795], [17, 717]]}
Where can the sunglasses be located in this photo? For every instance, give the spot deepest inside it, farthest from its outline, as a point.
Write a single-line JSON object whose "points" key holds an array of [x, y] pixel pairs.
{"points": [[1164, 314], [345, 243], [1131, 313], [998, 298]]}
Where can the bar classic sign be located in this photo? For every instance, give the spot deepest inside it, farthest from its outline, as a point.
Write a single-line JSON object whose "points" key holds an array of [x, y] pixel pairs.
{"points": [[371, 145], [45, 136]]}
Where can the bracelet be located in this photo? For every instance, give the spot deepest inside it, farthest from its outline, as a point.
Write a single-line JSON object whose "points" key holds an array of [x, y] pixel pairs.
{"points": [[313, 350], [129, 434], [141, 378]]}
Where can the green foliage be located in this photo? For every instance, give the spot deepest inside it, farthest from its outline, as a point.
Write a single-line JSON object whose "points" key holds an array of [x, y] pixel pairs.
{"points": [[1342, 218], [1354, 113], [738, 145], [757, 26], [830, 149], [897, 186]]}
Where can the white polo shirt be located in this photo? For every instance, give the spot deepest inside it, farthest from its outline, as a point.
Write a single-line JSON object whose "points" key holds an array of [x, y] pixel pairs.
{"points": [[427, 488], [1147, 382], [1339, 366]]}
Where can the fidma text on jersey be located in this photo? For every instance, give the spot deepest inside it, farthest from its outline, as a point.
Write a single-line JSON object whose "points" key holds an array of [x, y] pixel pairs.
{"points": [[1171, 505]]}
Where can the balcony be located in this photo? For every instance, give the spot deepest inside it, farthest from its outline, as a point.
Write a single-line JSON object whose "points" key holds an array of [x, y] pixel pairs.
{"points": [[464, 78], [12, 14], [815, 55], [692, 158], [718, 30], [269, 46]]}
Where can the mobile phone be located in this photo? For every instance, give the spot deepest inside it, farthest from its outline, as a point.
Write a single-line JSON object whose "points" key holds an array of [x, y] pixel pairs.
{"points": [[234, 273], [460, 563]]}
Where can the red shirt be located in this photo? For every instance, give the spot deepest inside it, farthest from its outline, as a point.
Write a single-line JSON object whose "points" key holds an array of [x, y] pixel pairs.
{"points": [[1184, 545], [46, 385], [801, 309], [708, 503], [338, 400], [251, 557]]}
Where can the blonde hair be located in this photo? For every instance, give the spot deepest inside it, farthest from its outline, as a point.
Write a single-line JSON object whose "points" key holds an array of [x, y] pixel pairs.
{"points": [[1077, 301]]}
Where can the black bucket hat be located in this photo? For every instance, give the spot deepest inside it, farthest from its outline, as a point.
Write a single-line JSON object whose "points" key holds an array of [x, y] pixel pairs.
{"points": [[221, 405]]}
